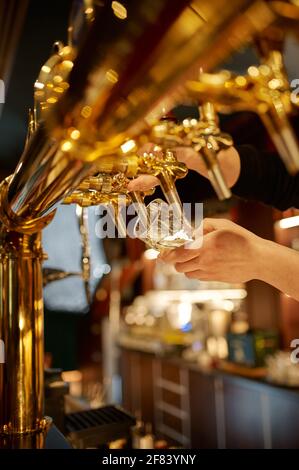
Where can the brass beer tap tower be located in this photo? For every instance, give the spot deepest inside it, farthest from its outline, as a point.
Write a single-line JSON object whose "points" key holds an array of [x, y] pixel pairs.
{"points": [[91, 100], [264, 90], [204, 136]]}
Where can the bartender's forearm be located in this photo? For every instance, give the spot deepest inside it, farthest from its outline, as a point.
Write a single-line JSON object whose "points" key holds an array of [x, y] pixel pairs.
{"points": [[279, 266], [263, 177], [250, 173]]}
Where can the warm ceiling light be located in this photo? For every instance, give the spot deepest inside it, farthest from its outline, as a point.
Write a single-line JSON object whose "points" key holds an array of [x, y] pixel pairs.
{"points": [[39, 85], [128, 146], [46, 69], [86, 111], [112, 76], [66, 146], [75, 134], [119, 10]]}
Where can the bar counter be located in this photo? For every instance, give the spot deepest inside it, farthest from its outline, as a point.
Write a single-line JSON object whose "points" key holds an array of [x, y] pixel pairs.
{"points": [[207, 409]]}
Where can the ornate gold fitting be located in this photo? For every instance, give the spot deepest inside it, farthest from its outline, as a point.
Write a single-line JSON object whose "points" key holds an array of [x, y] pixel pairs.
{"points": [[204, 136], [264, 90], [17, 224], [163, 161], [52, 81], [42, 426], [26, 440], [207, 139], [100, 189], [164, 165], [20, 245]]}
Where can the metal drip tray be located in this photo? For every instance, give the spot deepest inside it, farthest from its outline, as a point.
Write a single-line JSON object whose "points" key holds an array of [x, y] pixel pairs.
{"points": [[93, 428]]}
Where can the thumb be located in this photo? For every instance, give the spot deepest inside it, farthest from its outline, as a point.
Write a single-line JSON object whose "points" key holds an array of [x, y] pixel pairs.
{"points": [[143, 183], [210, 225], [207, 226]]}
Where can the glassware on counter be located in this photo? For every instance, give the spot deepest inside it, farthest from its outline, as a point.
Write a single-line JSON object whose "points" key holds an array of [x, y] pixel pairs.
{"points": [[281, 370]]}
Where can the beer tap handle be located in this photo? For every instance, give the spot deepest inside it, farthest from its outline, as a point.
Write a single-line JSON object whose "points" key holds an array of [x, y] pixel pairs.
{"points": [[214, 172], [167, 183], [209, 141]]}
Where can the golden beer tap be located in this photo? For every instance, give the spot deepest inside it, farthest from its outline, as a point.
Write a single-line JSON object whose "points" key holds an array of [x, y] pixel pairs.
{"points": [[109, 187], [102, 188], [264, 90], [167, 169], [204, 136]]}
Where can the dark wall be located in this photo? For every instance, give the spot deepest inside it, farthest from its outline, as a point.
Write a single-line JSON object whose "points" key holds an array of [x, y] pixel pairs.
{"points": [[45, 23]]}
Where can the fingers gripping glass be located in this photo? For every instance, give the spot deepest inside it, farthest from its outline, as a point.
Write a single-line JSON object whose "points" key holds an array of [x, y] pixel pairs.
{"points": [[161, 225]]}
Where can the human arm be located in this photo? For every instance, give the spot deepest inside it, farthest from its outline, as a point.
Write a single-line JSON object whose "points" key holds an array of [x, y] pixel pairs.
{"points": [[250, 173], [230, 253], [228, 159]]}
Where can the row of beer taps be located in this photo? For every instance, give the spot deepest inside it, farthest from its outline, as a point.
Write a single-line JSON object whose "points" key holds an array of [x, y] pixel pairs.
{"points": [[264, 89]]}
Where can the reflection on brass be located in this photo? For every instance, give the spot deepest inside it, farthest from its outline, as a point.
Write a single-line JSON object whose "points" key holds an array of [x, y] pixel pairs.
{"points": [[100, 189], [21, 329], [207, 139], [109, 188], [116, 171], [264, 90], [204, 136], [91, 99], [28, 440], [52, 274], [82, 215]]}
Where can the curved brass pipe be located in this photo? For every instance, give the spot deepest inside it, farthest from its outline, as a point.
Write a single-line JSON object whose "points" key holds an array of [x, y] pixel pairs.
{"points": [[121, 74], [264, 90]]}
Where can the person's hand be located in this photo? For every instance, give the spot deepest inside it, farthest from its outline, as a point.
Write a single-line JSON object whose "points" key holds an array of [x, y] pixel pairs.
{"points": [[145, 182], [227, 253], [229, 162]]}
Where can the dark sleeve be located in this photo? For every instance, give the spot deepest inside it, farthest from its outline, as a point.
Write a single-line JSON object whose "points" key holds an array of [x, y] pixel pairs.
{"points": [[264, 178]]}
